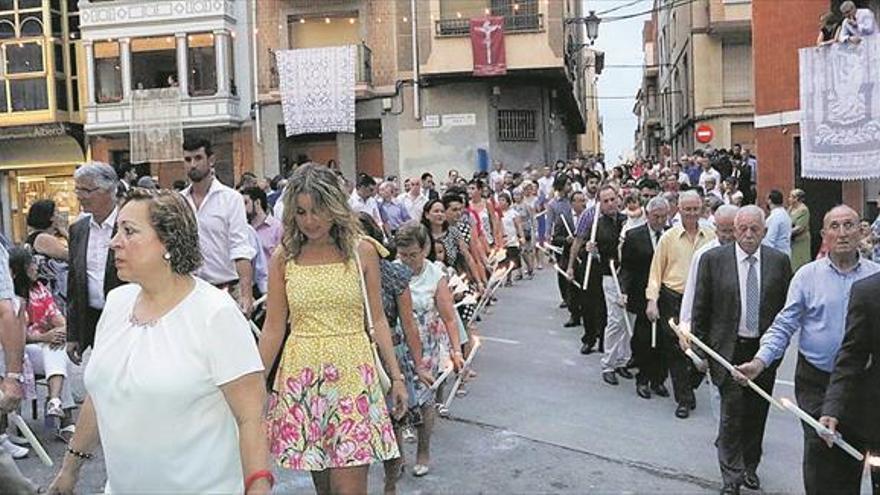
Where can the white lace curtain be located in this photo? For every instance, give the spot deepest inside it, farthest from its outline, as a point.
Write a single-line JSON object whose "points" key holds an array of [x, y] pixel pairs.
{"points": [[156, 127]]}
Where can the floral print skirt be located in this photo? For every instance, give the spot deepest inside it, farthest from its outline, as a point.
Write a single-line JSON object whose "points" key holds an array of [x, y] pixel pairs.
{"points": [[435, 352], [327, 409]]}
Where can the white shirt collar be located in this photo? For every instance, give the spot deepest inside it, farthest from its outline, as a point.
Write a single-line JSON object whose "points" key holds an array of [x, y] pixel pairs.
{"points": [[742, 255], [110, 221]]}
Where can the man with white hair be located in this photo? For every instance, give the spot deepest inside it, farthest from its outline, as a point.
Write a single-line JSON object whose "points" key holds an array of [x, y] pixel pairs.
{"points": [[857, 23], [740, 288], [666, 282], [816, 307], [414, 201], [92, 272], [392, 213]]}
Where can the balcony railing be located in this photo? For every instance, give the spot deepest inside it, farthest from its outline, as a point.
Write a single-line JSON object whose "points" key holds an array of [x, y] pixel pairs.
{"points": [[512, 24]]}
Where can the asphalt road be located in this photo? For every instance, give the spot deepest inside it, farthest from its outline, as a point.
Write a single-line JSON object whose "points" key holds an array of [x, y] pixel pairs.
{"points": [[539, 419]]}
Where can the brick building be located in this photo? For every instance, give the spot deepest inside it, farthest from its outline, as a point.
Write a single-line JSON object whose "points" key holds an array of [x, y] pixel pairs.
{"points": [[777, 35]]}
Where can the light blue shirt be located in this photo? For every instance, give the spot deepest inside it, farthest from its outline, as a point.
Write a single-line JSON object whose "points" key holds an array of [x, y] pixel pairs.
{"points": [[778, 234], [865, 25], [261, 268], [817, 303]]}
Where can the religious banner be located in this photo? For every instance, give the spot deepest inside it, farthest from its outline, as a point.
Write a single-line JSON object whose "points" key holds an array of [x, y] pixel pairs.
{"points": [[317, 89], [840, 110], [156, 130], [487, 44]]}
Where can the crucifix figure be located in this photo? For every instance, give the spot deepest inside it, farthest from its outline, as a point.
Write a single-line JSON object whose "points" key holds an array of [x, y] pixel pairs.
{"points": [[487, 29]]}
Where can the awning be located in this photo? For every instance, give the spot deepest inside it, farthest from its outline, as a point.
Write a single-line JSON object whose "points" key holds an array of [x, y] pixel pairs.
{"points": [[40, 152]]}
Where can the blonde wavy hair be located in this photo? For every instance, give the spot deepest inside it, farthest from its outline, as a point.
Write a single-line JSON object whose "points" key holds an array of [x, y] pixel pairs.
{"points": [[323, 186]]}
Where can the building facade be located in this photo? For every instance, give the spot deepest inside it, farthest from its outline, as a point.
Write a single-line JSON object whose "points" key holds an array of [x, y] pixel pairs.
{"points": [[705, 72], [590, 142], [41, 134], [419, 107], [649, 129], [203, 47], [777, 108]]}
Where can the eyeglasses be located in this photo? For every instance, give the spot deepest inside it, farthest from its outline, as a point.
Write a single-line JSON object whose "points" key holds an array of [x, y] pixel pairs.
{"points": [[84, 191]]}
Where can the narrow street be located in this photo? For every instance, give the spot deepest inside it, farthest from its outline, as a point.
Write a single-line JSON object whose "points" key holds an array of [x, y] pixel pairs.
{"points": [[538, 419]]}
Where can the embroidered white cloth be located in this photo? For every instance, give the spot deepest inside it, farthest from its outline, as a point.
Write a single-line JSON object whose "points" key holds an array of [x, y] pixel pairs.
{"points": [[156, 125], [840, 110], [317, 89]]}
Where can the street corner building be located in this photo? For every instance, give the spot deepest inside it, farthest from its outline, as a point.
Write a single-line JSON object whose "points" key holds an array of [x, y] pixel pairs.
{"points": [[481, 81]]}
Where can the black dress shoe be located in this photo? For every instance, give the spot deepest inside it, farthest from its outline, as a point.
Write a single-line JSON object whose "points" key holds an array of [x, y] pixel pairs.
{"points": [[631, 364], [609, 377], [682, 411], [751, 480], [660, 390], [624, 373], [562, 305], [643, 391], [586, 349], [730, 490], [570, 323]]}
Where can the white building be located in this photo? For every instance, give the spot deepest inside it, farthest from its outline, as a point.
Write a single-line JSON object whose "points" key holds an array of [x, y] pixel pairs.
{"points": [[201, 46]]}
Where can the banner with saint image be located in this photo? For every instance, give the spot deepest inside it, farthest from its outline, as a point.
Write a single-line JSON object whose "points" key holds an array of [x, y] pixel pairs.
{"points": [[156, 126], [840, 110]]}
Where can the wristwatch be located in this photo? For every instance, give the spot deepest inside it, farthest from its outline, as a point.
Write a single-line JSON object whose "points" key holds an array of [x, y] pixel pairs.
{"points": [[16, 376]]}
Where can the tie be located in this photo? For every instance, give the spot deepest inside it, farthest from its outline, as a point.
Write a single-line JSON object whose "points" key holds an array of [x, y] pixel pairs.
{"points": [[753, 297], [657, 235]]}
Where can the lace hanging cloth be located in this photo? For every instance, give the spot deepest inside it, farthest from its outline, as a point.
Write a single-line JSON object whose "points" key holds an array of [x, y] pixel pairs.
{"points": [[156, 126], [317, 89], [840, 110]]}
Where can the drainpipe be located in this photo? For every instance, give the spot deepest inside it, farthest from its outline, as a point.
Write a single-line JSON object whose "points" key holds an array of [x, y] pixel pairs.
{"points": [[255, 91], [417, 107]]}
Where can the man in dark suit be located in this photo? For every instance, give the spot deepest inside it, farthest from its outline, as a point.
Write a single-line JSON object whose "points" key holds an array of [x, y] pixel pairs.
{"points": [[635, 264], [740, 289], [428, 187], [854, 390], [92, 269]]}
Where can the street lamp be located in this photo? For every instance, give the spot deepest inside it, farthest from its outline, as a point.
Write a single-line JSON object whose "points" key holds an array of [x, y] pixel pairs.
{"points": [[592, 22]]}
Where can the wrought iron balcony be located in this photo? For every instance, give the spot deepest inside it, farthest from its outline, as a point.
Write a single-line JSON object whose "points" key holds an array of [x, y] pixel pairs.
{"points": [[512, 24]]}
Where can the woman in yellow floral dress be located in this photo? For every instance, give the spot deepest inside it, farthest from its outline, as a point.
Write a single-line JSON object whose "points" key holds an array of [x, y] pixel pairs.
{"points": [[327, 412]]}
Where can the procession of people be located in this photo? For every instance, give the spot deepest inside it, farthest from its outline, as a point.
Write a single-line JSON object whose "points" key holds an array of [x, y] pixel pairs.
{"points": [[206, 367]]}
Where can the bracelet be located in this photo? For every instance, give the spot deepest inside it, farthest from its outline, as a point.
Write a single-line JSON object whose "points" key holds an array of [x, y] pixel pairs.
{"points": [[261, 474], [81, 455]]}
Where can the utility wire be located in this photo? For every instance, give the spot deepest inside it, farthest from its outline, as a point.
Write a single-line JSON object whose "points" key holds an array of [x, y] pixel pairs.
{"points": [[619, 7], [672, 5]]}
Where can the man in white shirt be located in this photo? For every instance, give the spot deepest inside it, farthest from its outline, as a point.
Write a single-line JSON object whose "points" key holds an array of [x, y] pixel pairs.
{"points": [[223, 227], [414, 201], [497, 175], [857, 23], [92, 273], [709, 173], [363, 199], [545, 183], [778, 224]]}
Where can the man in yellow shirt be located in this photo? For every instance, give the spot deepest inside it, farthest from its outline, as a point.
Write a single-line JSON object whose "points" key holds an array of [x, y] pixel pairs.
{"points": [[669, 273]]}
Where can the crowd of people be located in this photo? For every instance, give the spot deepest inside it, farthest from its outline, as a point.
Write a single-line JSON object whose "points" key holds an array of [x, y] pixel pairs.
{"points": [[318, 320]]}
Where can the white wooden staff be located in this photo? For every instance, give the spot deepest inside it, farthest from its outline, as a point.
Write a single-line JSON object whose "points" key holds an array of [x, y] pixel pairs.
{"points": [[619, 292], [541, 213], [462, 373], [592, 240], [654, 334], [428, 392], [567, 228], [18, 421], [784, 404]]}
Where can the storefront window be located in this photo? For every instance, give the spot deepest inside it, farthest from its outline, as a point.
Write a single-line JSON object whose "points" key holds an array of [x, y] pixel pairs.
{"points": [[22, 58], [28, 94], [202, 64], [108, 74], [153, 63]]}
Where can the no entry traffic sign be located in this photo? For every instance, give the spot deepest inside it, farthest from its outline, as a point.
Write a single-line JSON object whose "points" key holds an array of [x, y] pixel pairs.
{"points": [[705, 133]]}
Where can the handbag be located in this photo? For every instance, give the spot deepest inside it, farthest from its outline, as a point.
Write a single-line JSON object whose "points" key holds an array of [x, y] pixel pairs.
{"points": [[384, 379]]}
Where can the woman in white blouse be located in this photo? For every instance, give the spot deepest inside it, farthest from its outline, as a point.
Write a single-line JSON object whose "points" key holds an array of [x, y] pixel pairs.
{"points": [[175, 381]]}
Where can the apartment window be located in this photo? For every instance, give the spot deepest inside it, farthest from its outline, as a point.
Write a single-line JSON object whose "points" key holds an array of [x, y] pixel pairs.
{"points": [[61, 93], [30, 25], [516, 125], [519, 15], [6, 5], [108, 74], [737, 72], [30, 4], [202, 64], [28, 94], [23, 58], [153, 62]]}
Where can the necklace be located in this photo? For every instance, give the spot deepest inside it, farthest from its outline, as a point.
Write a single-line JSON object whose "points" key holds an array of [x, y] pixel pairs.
{"points": [[143, 324]]}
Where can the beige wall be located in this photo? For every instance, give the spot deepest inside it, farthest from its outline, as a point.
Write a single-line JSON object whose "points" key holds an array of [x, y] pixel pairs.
{"points": [[316, 33]]}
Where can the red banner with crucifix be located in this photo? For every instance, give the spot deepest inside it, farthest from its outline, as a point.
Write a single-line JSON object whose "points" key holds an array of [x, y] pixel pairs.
{"points": [[487, 43]]}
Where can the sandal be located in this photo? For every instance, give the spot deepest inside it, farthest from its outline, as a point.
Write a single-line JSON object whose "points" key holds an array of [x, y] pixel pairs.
{"points": [[66, 434]]}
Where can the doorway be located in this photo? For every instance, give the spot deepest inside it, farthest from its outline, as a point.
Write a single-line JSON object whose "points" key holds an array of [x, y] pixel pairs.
{"points": [[822, 195]]}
